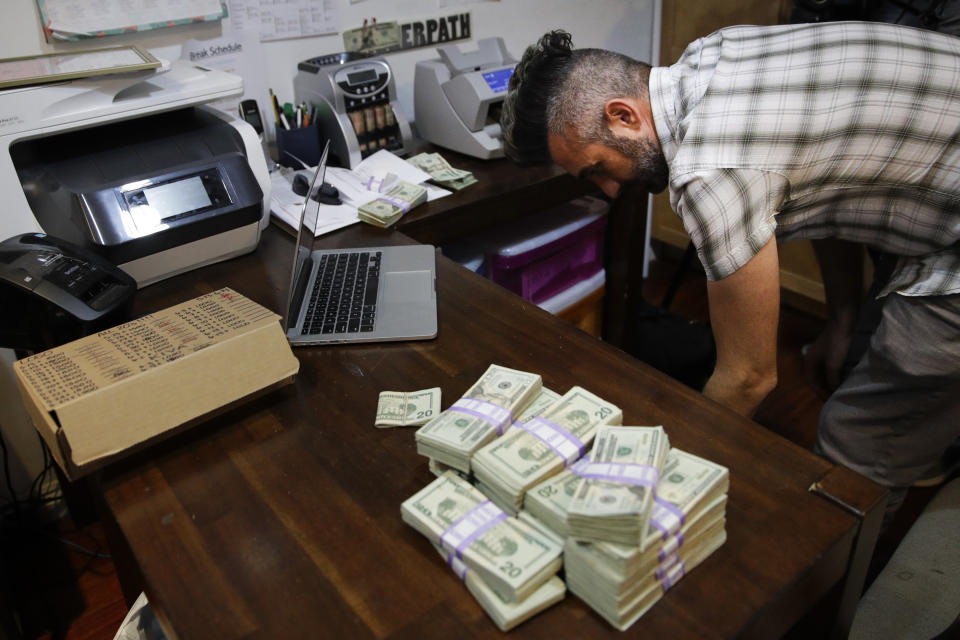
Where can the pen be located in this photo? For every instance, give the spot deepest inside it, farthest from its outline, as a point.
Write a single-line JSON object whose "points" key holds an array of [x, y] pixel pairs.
{"points": [[276, 105], [283, 121]]}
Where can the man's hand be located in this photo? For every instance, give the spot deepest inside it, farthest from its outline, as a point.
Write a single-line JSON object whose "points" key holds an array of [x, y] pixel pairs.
{"points": [[744, 311]]}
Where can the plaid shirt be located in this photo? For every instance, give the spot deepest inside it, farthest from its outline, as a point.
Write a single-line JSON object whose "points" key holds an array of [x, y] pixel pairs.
{"points": [[847, 130]]}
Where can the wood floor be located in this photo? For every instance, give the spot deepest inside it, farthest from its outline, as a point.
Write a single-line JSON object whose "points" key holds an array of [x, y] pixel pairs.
{"points": [[66, 594]]}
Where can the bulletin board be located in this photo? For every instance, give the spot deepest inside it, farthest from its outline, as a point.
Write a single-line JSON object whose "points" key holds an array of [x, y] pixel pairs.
{"points": [[80, 19]]}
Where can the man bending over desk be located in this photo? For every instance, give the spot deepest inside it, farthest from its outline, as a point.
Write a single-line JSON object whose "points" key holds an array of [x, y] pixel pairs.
{"points": [[841, 133]]}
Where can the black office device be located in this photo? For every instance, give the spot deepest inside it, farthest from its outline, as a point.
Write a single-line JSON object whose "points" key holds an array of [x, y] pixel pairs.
{"points": [[250, 112], [53, 291]]}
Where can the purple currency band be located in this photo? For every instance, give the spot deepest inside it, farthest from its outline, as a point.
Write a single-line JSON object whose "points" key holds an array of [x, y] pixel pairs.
{"points": [[582, 463], [673, 576], [671, 545], [490, 413], [459, 567], [562, 442], [371, 181], [470, 526], [667, 563], [666, 517], [642, 475], [399, 203]]}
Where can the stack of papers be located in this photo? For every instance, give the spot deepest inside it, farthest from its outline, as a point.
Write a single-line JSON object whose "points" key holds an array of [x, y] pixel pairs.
{"points": [[357, 187]]}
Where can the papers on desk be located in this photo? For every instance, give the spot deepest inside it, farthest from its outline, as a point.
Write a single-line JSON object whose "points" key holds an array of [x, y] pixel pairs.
{"points": [[286, 206], [357, 187]]}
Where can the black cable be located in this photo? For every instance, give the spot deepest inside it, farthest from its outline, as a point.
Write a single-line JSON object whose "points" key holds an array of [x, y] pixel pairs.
{"points": [[93, 553], [36, 488], [6, 474], [36, 497]]}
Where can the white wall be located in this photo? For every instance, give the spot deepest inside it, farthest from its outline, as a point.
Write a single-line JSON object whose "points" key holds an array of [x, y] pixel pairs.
{"points": [[621, 25]]}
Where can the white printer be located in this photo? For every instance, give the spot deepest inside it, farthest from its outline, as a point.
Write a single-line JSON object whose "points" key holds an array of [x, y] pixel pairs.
{"points": [[134, 167], [457, 97]]}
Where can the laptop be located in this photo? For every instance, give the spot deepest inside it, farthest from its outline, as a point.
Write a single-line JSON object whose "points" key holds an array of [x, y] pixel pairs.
{"points": [[368, 294]]}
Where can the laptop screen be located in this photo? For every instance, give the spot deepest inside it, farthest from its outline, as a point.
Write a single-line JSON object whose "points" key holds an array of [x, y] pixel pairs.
{"points": [[306, 233]]}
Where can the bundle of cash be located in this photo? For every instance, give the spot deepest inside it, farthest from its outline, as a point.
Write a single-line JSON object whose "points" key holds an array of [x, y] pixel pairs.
{"points": [[641, 592], [535, 408], [404, 409], [686, 525], [544, 399], [612, 502], [489, 407], [510, 557], [396, 200], [542, 447], [441, 172], [506, 615]]}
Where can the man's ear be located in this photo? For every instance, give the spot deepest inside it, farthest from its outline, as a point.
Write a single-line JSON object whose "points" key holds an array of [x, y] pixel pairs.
{"points": [[621, 114]]}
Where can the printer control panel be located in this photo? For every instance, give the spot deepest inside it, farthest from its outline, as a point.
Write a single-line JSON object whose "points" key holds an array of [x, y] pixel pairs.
{"points": [[176, 198]]}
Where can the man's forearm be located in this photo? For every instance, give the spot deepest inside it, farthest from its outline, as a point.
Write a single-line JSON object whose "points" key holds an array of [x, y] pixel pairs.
{"points": [[744, 309], [741, 393]]}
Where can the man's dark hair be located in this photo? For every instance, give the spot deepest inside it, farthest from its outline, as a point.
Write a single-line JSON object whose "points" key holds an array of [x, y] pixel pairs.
{"points": [[556, 89], [523, 119]]}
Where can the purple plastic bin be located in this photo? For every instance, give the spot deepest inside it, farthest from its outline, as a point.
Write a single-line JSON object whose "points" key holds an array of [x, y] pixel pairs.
{"points": [[546, 253]]}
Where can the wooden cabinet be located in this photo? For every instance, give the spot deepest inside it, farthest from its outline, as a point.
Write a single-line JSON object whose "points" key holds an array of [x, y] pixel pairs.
{"points": [[684, 22]]}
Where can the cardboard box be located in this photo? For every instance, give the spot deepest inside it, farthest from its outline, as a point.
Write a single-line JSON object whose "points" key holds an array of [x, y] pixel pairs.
{"points": [[99, 398]]}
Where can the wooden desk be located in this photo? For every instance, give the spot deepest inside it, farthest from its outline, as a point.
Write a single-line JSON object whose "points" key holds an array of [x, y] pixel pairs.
{"points": [[281, 518], [506, 191]]}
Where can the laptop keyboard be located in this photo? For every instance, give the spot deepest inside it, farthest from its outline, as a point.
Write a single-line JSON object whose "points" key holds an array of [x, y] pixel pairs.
{"points": [[344, 296]]}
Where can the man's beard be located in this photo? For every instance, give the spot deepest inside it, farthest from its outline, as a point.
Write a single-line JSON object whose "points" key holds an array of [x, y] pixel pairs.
{"points": [[647, 163]]}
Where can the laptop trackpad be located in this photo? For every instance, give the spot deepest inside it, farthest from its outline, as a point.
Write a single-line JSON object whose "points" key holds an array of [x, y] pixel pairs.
{"points": [[407, 286]]}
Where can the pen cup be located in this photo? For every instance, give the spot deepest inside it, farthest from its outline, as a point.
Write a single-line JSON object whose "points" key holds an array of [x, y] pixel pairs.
{"points": [[298, 145]]}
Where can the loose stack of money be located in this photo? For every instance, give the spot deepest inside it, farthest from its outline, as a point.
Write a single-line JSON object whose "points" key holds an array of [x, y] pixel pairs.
{"points": [[399, 197], [542, 447], [687, 524], [485, 411], [407, 408], [505, 614], [441, 172], [613, 500], [510, 557]]}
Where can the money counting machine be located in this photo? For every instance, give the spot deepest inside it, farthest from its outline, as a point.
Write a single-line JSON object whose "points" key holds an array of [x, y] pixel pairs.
{"points": [[356, 106], [135, 169], [458, 96]]}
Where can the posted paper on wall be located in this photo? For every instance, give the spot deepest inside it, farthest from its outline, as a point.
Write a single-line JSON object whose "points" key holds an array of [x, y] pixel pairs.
{"points": [[238, 54], [282, 19]]}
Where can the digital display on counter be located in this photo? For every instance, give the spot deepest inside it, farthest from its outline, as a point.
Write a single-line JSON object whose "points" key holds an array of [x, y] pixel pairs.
{"points": [[498, 80], [362, 76]]}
